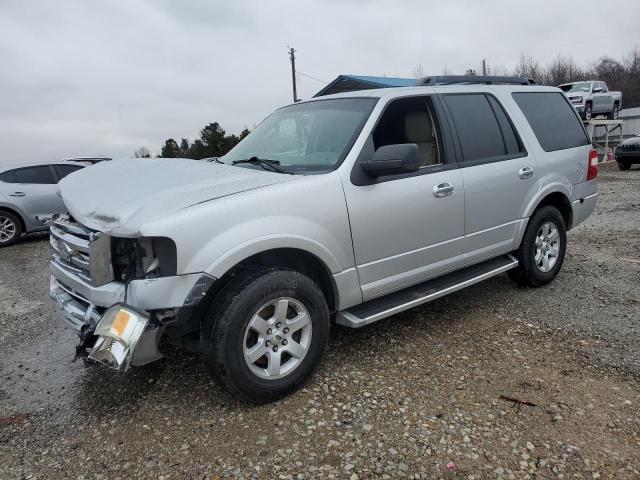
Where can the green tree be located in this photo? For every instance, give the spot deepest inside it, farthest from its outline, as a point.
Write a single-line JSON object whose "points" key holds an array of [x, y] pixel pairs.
{"points": [[244, 133], [197, 150], [184, 148], [171, 149], [213, 142]]}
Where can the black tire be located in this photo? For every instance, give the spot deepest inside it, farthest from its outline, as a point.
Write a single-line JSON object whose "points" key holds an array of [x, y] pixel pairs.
{"points": [[528, 272], [227, 320], [613, 114], [624, 165], [9, 225], [588, 112]]}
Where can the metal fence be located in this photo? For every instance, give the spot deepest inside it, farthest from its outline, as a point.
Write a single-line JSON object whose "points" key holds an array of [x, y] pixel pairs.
{"points": [[631, 117]]}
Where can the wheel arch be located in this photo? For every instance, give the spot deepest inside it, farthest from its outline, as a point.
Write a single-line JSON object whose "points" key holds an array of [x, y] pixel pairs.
{"points": [[562, 203], [297, 259], [15, 212], [556, 196]]}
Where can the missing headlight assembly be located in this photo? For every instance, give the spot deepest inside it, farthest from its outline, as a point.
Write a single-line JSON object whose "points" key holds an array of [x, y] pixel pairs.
{"points": [[146, 257]]}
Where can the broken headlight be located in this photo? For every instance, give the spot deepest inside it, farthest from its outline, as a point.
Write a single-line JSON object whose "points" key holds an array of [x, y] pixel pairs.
{"points": [[118, 332], [146, 257]]}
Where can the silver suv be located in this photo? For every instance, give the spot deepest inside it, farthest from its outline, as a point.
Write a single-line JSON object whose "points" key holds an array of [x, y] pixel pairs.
{"points": [[347, 208]]}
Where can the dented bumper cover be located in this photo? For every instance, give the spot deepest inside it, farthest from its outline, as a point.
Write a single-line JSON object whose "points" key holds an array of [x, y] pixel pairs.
{"points": [[81, 305]]}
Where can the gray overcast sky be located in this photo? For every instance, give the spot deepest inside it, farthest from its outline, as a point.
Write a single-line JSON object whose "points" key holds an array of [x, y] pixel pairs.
{"points": [[82, 78]]}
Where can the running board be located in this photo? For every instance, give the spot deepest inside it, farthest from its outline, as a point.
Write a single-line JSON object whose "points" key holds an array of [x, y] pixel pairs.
{"points": [[397, 302]]}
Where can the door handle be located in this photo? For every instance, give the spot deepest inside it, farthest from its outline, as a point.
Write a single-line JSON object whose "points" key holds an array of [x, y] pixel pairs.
{"points": [[443, 190], [525, 172], [17, 194]]}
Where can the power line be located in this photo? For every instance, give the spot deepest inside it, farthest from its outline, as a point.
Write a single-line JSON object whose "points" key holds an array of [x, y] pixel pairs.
{"points": [[312, 78]]}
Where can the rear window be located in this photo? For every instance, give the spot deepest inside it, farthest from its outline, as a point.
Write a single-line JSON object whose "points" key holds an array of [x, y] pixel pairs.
{"points": [[553, 120]]}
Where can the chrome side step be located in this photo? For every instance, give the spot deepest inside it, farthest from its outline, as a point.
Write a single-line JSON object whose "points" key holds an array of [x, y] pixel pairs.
{"points": [[397, 302]]}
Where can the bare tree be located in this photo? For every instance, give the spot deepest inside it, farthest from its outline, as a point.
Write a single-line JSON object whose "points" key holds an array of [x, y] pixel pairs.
{"points": [[498, 70], [623, 75], [142, 152], [528, 67]]}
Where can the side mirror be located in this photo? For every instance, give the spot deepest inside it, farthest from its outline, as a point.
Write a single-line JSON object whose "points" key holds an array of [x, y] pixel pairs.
{"points": [[597, 90], [393, 160]]}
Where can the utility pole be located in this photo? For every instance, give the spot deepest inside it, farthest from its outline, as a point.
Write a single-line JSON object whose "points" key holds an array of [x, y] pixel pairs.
{"points": [[292, 55], [484, 67]]}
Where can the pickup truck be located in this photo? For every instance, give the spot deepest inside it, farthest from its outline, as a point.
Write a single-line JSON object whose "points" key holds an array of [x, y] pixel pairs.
{"points": [[591, 98], [346, 209]]}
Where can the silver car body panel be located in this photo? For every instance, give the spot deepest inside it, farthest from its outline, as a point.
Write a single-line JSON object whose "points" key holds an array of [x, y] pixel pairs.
{"points": [[34, 203], [373, 239]]}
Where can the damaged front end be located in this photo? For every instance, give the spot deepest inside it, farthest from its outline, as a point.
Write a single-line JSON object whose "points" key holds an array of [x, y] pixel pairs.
{"points": [[118, 333], [118, 294]]}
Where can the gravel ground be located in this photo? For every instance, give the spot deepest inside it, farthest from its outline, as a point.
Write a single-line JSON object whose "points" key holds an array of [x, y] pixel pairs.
{"points": [[495, 381]]}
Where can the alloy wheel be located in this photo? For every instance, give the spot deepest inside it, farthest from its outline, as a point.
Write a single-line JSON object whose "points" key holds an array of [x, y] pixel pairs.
{"points": [[547, 246], [7, 229], [277, 338]]}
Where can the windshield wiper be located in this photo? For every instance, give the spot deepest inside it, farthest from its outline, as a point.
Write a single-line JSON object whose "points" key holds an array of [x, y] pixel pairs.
{"points": [[265, 163]]}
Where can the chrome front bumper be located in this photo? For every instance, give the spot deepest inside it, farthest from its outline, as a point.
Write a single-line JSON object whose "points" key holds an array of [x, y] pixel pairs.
{"points": [[81, 306], [79, 303]]}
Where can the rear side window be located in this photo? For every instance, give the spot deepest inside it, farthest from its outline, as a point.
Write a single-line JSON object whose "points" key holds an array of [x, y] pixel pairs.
{"points": [[40, 175], [483, 129], [553, 120], [64, 170]]}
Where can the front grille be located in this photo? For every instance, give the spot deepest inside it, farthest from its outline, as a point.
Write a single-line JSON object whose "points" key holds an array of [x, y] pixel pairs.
{"points": [[629, 148], [70, 243]]}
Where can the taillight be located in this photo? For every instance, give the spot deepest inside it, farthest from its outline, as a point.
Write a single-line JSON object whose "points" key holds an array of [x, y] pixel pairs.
{"points": [[592, 169]]}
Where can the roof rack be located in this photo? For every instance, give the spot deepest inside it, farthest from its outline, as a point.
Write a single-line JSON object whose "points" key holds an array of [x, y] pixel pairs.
{"points": [[474, 79]]}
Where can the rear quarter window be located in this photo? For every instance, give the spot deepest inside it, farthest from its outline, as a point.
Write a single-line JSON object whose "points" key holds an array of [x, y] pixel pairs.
{"points": [[552, 119], [64, 170]]}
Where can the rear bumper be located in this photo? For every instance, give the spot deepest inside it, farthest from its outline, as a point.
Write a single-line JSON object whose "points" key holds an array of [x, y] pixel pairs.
{"points": [[583, 208]]}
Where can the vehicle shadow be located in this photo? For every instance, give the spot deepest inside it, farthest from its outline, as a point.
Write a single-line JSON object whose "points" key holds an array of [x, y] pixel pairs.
{"points": [[181, 381]]}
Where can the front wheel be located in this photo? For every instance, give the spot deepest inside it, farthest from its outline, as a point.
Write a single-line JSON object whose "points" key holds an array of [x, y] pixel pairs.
{"points": [[588, 112], [265, 333], [542, 250]]}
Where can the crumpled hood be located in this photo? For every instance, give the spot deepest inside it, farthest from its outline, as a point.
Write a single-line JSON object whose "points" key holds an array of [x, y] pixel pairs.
{"points": [[110, 195]]}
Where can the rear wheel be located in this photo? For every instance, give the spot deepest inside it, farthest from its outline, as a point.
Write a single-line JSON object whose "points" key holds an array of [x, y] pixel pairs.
{"points": [[10, 228], [265, 333], [613, 115], [542, 250], [624, 165]]}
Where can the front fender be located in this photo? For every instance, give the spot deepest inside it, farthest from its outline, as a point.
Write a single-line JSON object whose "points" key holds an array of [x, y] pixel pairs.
{"points": [[241, 252]]}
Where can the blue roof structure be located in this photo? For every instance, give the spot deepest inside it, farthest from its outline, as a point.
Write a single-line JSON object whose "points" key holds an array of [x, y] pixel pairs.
{"points": [[347, 83]]}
